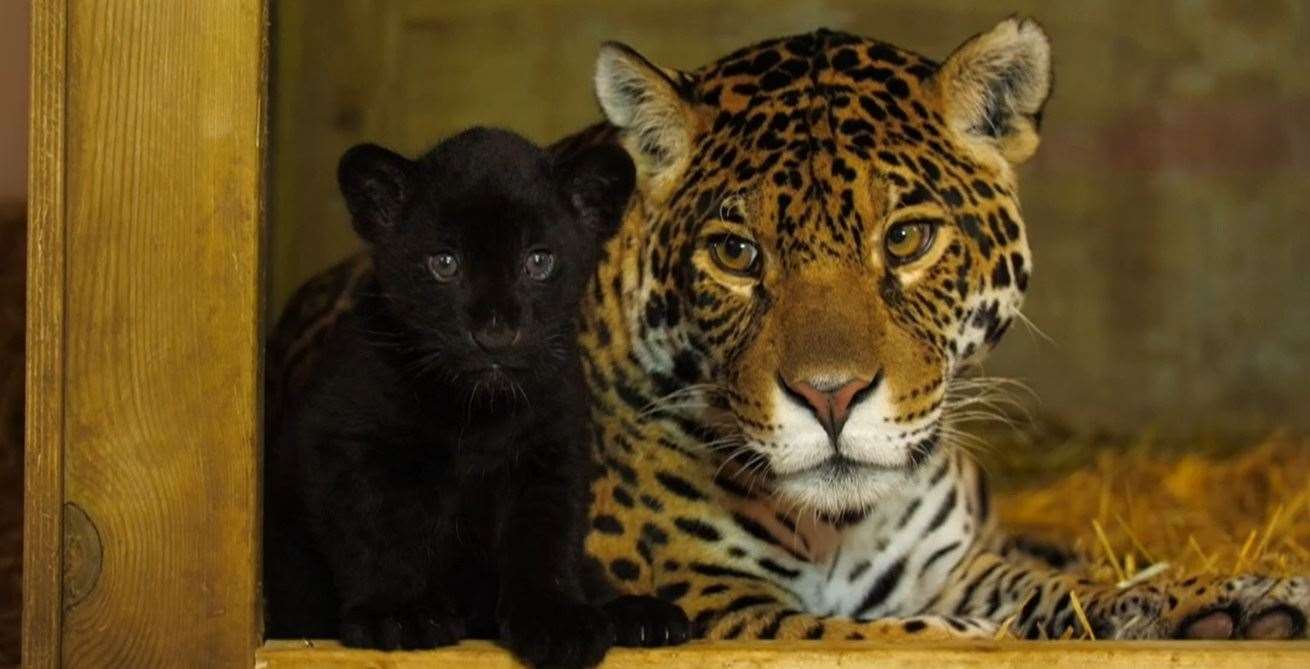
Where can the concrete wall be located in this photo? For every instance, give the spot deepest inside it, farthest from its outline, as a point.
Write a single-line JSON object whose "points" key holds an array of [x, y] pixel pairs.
{"points": [[1169, 206]]}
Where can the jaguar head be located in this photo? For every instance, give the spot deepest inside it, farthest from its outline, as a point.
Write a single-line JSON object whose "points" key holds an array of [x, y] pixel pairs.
{"points": [[829, 230]]}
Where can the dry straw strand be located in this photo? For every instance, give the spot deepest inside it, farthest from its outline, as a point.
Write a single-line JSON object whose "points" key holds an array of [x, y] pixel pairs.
{"points": [[1082, 615]]}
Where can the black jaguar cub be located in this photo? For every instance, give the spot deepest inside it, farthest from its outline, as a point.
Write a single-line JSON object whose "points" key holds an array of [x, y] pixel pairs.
{"points": [[431, 484]]}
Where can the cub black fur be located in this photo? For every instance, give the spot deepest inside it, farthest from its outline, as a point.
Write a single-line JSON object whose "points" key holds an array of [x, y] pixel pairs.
{"points": [[431, 484]]}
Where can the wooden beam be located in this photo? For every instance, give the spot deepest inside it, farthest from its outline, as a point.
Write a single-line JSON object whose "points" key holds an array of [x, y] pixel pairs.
{"points": [[144, 364], [823, 655], [44, 406]]}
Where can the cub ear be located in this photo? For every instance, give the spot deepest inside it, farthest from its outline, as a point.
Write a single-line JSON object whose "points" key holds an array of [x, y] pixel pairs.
{"points": [[598, 183], [995, 85], [376, 183], [649, 105]]}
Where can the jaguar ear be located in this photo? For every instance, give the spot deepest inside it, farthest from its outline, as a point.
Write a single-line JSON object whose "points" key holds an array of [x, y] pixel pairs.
{"points": [[648, 104], [597, 184], [994, 87], [376, 184]]}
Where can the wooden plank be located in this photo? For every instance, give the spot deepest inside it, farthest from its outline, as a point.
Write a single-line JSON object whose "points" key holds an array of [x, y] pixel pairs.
{"points": [[846, 654], [164, 175], [43, 465]]}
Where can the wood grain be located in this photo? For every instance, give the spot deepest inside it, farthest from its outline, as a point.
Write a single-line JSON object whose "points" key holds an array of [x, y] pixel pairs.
{"points": [[163, 174], [44, 404], [806, 655]]}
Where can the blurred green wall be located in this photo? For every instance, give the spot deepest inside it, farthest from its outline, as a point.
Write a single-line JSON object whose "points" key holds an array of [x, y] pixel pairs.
{"points": [[1168, 207]]}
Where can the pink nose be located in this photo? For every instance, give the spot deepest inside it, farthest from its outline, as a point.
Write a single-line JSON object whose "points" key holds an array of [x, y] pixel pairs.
{"points": [[832, 405]]}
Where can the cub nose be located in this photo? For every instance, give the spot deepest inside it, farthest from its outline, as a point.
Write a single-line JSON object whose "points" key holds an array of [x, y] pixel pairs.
{"points": [[496, 338], [831, 403]]}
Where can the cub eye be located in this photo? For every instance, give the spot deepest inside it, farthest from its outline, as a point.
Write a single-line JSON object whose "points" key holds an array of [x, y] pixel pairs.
{"points": [[444, 266], [539, 264], [736, 255], [909, 240]]}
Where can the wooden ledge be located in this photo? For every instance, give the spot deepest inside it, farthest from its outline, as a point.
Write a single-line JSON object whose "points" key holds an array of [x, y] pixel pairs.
{"points": [[846, 654]]}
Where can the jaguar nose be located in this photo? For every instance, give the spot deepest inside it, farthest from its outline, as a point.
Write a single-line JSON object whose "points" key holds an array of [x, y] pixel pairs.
{"points": [[831, 403], [496, 338]]}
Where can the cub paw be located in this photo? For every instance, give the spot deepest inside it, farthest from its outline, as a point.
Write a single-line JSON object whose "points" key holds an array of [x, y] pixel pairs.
{"points": [[1242, 607], [647, 621], [408, 630], [556, 632]]}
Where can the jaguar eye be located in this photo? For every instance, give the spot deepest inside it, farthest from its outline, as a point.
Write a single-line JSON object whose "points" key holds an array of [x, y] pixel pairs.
{"points": [[736, 255], [539, 264], [909, 240], [444, 266]]}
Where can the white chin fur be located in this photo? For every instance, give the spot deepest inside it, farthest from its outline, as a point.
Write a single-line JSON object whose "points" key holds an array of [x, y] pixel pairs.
{"points": [[869, 438], [834, 493]]}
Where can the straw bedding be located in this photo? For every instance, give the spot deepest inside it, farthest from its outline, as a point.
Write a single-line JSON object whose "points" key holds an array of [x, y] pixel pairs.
{"points": [[1192, 509]]}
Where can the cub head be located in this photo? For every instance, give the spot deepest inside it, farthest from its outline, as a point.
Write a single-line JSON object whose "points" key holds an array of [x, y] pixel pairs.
{"points": [[482, 247], [830, 230]]}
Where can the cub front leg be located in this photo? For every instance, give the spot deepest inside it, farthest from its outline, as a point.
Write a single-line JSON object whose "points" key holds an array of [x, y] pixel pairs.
{"points": [[541, 612], [384, 580], [392, 598]]}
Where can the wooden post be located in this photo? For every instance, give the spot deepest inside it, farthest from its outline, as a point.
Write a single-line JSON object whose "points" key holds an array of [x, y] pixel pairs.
{"points": [[145, 290], [43, 466]]}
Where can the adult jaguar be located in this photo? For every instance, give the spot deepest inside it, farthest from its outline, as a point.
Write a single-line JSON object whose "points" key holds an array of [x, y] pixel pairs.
{"points": [[826, 233]]}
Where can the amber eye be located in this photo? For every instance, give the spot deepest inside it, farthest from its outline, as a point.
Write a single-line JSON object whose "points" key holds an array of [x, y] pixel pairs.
{"points": [[909, 240], [736, 255], [444, 266], [539, 264]]}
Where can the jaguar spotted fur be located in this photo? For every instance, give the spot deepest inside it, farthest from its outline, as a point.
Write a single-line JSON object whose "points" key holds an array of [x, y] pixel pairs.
{"points": [[826, 233]]}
